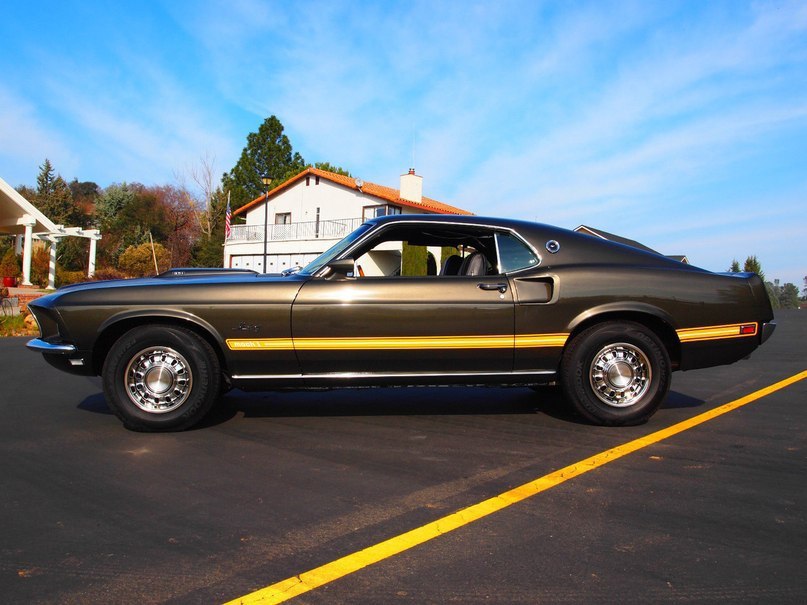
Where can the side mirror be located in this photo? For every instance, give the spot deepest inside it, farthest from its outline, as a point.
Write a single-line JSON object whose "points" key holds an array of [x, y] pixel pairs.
{"points": [[341, 268]]}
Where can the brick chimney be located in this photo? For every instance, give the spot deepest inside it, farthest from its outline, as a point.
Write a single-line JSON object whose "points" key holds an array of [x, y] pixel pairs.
{"points": [[412, 187]]}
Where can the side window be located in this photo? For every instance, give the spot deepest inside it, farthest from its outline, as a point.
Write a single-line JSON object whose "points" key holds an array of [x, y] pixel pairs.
{"points": [[428, 249], [514, 254], [397, 258]]}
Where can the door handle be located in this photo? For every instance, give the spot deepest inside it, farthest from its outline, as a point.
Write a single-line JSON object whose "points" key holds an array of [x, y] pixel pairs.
{"points": [[500, 287]]}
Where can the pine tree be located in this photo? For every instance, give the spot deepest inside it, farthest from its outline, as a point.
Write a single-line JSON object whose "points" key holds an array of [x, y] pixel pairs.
{"points": [[54, 199], [268, 154], [752, 265]]}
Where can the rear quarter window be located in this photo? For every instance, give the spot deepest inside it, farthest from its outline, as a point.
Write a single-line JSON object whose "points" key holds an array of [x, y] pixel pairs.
{"points": [[514, 254]]}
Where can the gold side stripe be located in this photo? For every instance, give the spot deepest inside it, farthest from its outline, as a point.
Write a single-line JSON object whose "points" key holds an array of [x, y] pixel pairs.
{"points": [[404, 342], [520, 341], [526, 341], [716, 332], [262, 344]]}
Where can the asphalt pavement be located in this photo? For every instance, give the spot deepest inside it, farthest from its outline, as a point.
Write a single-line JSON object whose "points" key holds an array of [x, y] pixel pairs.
{"points": [[276, 484]]}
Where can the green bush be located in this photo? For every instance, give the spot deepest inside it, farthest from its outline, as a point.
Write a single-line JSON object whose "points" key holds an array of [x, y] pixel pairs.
{"points": [[413, 260]]}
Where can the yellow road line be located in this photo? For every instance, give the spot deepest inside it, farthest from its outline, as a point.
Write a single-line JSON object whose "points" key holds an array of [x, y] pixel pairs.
{"points": [[305, 582]]}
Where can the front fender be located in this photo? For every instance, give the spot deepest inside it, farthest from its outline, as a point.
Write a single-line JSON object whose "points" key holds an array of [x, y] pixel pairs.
{"points": [[160, 314]]}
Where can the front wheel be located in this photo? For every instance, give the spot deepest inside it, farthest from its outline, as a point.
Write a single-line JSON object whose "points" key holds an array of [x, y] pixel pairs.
{"points": [[160, 378], [616, 373]]}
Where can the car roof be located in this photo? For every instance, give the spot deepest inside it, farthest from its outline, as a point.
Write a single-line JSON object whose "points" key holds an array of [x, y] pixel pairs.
{"points": [[575, 247]]}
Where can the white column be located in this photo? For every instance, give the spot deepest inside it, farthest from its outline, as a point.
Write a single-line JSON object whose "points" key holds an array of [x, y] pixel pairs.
{"points": [[26, 252], [91, 262], [52, 264]]}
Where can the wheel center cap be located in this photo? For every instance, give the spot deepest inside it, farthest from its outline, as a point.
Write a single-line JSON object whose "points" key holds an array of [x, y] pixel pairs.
{"points": [[620, 374], [159, 379]]}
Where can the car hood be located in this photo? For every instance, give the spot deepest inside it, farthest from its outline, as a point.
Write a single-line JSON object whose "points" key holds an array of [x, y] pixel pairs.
{"points": [[160, 283]]}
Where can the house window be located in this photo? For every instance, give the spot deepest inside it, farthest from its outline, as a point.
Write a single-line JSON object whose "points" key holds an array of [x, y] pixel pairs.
{"points": [[379, 210], [282, 218]]}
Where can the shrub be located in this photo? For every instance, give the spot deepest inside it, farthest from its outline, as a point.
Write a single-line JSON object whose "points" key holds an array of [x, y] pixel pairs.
{"points": [[65, 277], [137, 261], [10, 264], [108, 273], [40, 260]]}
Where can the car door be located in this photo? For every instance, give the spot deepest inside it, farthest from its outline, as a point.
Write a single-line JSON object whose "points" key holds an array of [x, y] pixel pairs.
{"points": [[398, 326]]}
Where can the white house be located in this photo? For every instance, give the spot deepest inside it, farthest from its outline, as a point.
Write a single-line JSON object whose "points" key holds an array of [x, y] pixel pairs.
{"points": [[297, 221]]}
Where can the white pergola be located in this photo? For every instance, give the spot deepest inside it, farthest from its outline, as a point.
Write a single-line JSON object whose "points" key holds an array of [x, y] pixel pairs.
{"points": [[21, 218]]}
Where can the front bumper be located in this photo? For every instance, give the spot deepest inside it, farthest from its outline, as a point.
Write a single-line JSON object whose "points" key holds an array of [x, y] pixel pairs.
{"points": [[43, 346], [63, 356]]}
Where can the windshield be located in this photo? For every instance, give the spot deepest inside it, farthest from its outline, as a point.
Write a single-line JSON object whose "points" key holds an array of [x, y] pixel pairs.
{"points": [[335, 250]]}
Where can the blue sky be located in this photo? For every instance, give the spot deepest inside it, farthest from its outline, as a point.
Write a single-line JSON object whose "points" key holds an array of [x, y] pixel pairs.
{"points": [[680, 124]]}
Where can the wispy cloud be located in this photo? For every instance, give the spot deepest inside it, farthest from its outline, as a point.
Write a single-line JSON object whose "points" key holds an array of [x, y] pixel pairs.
{"points": [[26, 135], [643, 118]]}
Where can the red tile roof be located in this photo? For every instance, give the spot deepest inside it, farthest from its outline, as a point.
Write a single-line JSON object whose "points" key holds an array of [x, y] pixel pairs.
{"points": [[387, 194]]}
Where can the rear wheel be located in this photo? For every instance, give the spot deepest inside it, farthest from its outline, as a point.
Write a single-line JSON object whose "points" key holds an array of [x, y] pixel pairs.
{"points": [[616, 373], [159, 378]]}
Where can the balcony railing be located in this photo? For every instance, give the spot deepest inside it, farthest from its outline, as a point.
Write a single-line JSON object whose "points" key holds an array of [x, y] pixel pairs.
{"points": [[336, 229]]}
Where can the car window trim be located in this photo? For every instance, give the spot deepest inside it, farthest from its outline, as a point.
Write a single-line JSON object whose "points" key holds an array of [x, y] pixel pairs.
{"points": [[388, 225], [523, 241]]}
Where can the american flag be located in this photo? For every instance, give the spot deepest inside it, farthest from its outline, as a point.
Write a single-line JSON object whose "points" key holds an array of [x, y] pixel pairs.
{"points": [[227, 219]]}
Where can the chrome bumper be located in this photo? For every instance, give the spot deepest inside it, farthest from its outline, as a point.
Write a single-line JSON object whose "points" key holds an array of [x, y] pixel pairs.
{"points": [[43, 346]]}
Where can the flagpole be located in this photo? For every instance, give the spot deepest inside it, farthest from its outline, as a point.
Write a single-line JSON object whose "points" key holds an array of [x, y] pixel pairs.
{"points": [[227, 229], [227, 219], [154, 255]]}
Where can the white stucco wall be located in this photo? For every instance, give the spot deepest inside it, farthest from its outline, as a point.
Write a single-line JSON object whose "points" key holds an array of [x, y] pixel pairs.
{"points": [[301, 201], [334, 202]]}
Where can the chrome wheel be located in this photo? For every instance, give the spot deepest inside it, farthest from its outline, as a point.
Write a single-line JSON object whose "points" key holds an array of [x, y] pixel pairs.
{"points": [[620, 374], [158, 380]]}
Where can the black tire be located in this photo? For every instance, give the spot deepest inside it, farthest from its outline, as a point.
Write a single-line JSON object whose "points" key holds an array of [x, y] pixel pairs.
{"points": [[161, 378], [616, 373]]}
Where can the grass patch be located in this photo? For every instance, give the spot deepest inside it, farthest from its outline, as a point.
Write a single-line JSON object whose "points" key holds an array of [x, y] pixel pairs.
{"points": [[14, 325]]}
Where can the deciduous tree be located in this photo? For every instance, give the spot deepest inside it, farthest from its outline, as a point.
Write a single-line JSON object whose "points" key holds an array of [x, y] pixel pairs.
{"points": [[789, 296], [85, 194]]}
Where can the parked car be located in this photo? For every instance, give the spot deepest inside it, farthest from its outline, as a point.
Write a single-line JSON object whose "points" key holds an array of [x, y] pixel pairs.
{"points": [[410, 300]]}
